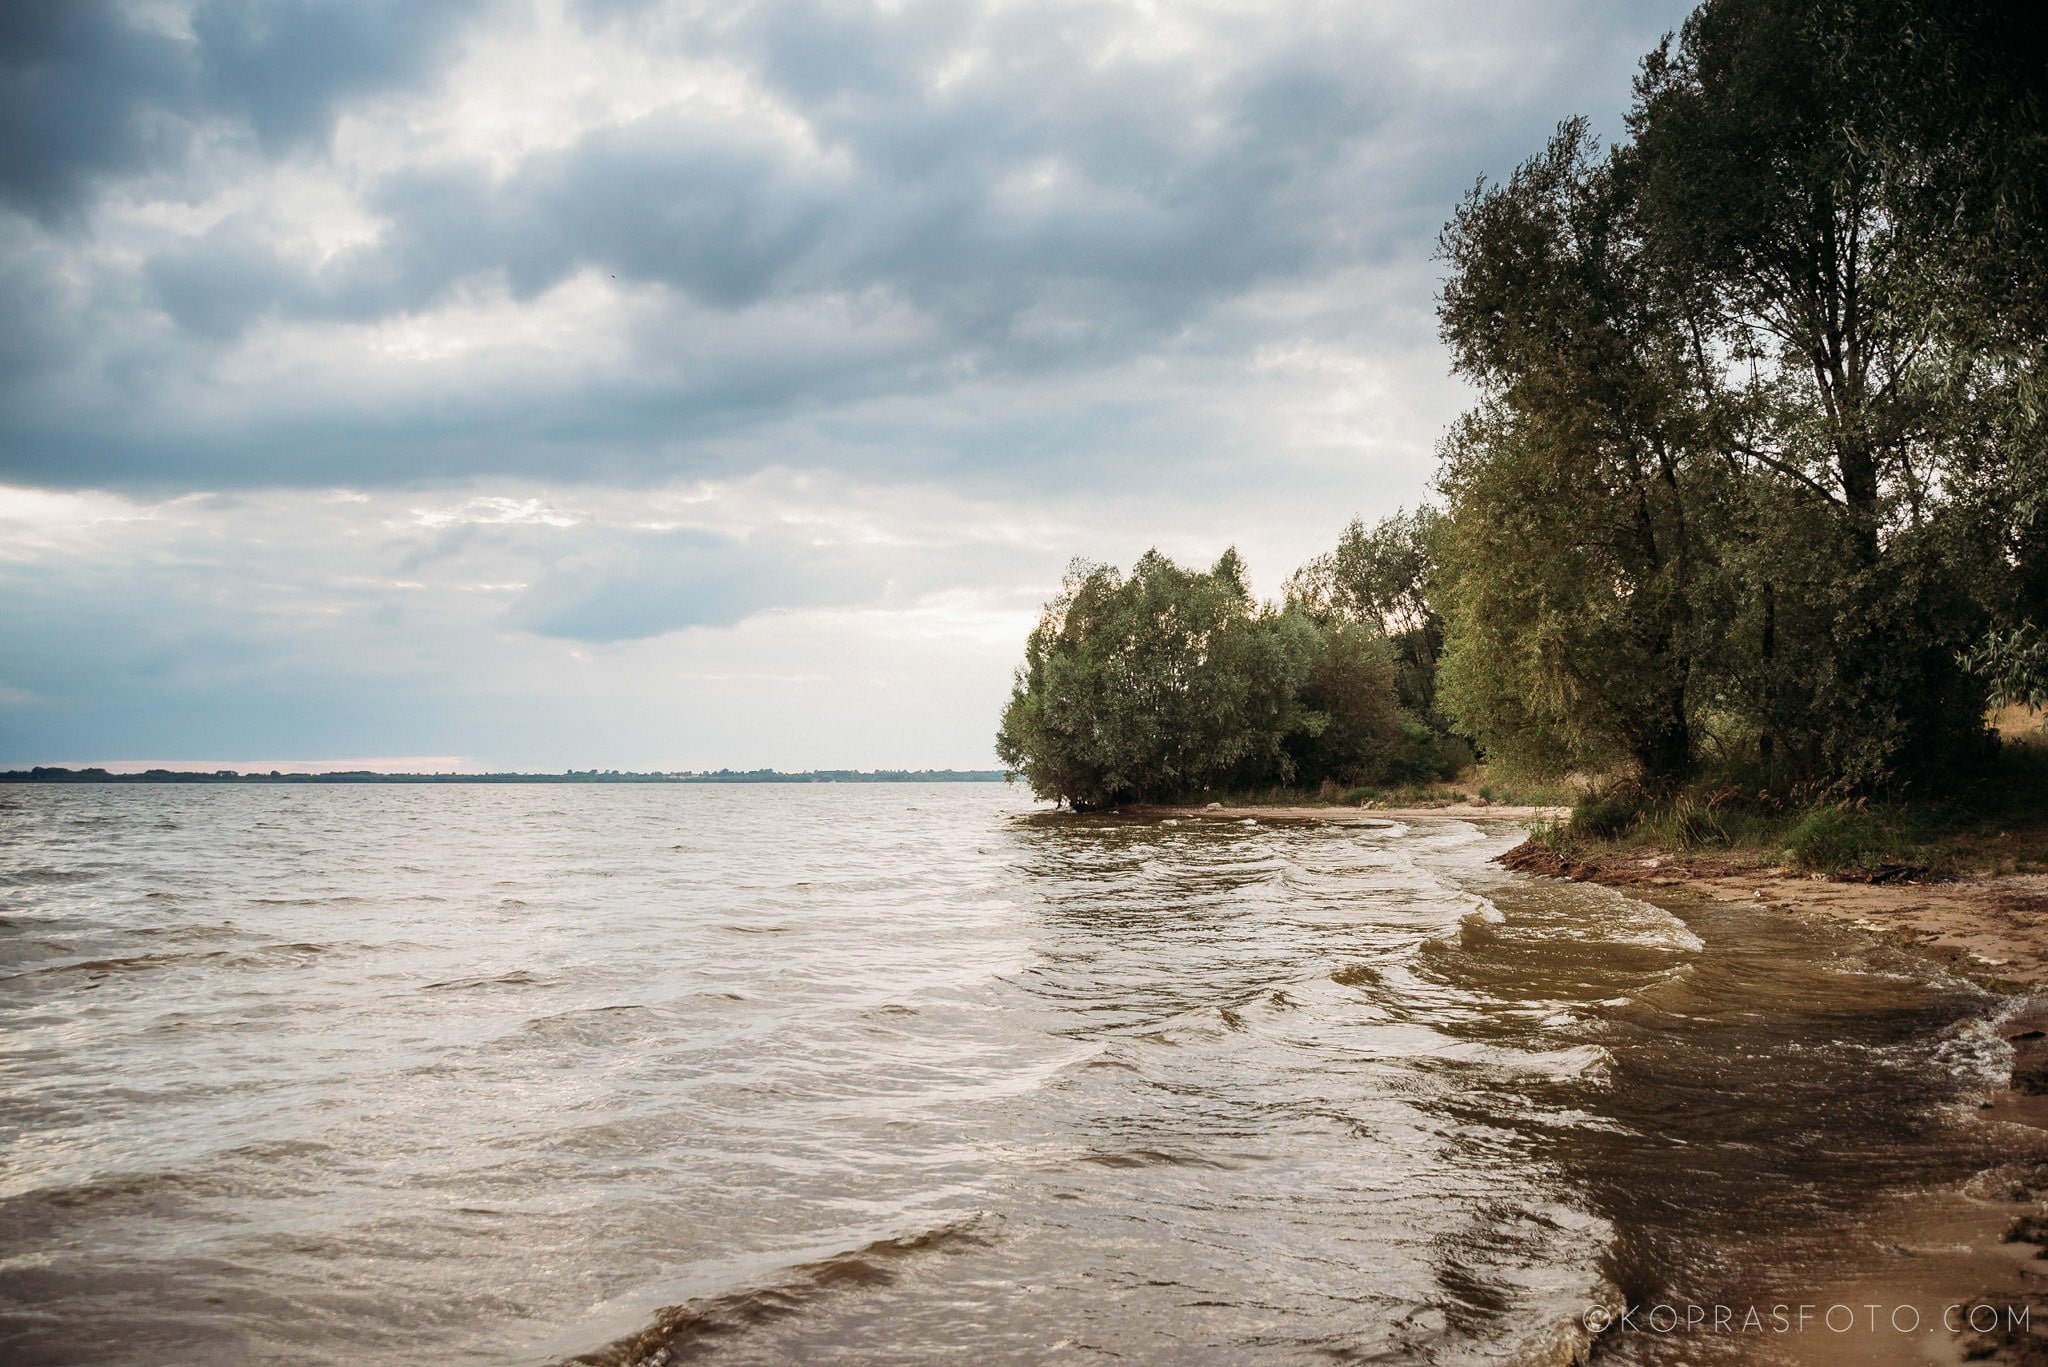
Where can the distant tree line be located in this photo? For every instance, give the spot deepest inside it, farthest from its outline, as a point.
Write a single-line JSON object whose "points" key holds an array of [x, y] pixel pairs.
{"points": [[1757, 473]]}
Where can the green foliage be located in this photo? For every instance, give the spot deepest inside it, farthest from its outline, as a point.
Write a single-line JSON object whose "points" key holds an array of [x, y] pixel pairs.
{"points": [[1759, 459], [1170, 683], [1676, 819], [1497, 781], [1686, 821], [1841, 837], [1572, 566], [1150, 686], [2014, 663], [1351, 725], [1987, 816], [1383, 578]]}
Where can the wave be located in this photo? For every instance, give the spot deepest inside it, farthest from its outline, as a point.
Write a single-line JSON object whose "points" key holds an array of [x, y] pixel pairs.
{"points": [[1974, 1050], [679, 1329], [131, 963], [126, 1192], [44, 873], [1567, 1342], [262, 956], [518, 977], [1591, 1062], [154, 1193], [593, 1024], [1153, 1158]]}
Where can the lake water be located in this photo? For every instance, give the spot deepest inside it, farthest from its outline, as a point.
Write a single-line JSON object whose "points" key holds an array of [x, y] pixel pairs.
{"points": [[904, 1073]]}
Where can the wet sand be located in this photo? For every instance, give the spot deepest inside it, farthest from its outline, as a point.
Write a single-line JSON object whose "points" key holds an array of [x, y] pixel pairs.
{"points": [[1949, 1282], [1990, 927], [1932, 1251]]}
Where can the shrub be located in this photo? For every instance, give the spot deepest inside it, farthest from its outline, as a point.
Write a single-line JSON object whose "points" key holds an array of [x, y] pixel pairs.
{"points": [[1837, 838], [1607, 815]]}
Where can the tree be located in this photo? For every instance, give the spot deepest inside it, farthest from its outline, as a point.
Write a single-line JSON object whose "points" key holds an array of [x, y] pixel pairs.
{"points": [[1352, 728], [1790, 155], [1383, 577], [1578, 506], [1761, 423], [1970, 106], [1167, 683], [1147, 687]]}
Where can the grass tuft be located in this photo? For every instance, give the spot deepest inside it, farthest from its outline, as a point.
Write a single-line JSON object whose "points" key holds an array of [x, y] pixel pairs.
{"points": [[1847, 837]]}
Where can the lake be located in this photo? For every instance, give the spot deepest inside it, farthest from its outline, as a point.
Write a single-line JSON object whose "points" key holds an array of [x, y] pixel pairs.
{"points": [[905, 1073]]}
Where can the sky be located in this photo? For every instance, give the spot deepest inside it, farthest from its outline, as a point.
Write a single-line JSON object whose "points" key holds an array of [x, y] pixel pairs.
{"points": [[550, 384]]}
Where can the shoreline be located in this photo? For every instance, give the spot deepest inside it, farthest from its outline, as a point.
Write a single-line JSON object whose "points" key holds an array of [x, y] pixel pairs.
{"points": [[1986, 927], [1929, 1248], [1346, 816]]}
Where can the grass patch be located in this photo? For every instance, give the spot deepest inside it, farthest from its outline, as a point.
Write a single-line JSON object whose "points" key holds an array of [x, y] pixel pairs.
{"points": [[1831, 838], [1845, 838], [1991, 817]]}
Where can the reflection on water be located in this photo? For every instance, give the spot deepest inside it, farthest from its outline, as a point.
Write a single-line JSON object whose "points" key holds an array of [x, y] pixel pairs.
{"points": [[386, 1074]]}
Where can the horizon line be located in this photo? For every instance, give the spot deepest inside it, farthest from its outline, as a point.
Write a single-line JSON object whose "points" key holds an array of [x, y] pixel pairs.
{"points": [[143, 770]]}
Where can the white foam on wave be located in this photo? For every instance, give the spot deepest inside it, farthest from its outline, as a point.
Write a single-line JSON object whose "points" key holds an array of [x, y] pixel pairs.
{"points": [[1974, 1049], [1484, 910], [1589, 1062]]}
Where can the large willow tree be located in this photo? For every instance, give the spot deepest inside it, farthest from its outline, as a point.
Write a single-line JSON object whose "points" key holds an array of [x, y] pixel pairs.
{"points": [[1751, 466], [1579, 510]]}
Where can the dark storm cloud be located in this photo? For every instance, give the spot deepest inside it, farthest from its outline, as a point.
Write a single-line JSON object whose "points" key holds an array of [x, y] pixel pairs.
{"points": [[645, 586], [89, 92], [648, 201], [949, 196], [1149, 219], [638, 585], [78, 86]]}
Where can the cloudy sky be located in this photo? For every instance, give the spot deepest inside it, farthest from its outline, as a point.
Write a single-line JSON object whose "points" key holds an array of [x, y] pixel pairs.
{"points": [[570, 383]]}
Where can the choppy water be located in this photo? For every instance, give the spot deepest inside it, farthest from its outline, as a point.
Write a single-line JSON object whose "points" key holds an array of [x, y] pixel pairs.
{"points": [[901, 1074]]}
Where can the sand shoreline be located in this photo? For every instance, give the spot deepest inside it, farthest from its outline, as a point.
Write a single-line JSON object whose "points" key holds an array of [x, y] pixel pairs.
{"points": [[1987, 927], [1937, 1249], [1928, 1249], [1351, 816]]}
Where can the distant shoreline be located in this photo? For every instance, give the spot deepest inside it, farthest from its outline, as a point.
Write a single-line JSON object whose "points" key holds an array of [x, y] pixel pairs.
{"points": [[53, 775]]}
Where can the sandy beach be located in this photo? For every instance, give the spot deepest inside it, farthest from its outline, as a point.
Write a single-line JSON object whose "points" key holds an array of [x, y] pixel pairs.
{"points": [[1932, 1249]]}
